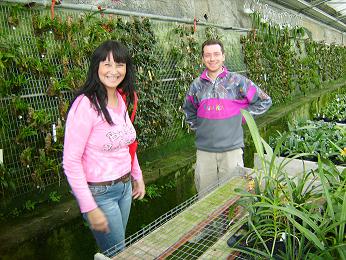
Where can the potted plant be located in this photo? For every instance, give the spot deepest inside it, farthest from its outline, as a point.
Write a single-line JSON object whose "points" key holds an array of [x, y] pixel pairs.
{"points": [[302, 217]]}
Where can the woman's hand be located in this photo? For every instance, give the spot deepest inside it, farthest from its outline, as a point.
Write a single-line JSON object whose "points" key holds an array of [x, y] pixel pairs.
{"points": [[98, 220], [138, 190]]}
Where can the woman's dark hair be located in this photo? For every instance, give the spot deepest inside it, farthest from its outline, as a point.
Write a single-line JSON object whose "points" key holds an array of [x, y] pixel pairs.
{"points": [[93, 87]]}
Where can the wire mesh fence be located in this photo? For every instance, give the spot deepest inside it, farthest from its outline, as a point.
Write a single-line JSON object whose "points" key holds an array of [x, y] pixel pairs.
{"points": [[34, 92], [196, 229]]}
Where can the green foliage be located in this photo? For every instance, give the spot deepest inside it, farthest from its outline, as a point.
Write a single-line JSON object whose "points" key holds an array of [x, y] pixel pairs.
{"points": [[152, 191], [284, 65], [313, 138], [155, 191], [71, 41], [54, 196], [6, 180], [57, 61], [306, 213], [335, 110], [19, 106], [30, 205], [15, 212]]}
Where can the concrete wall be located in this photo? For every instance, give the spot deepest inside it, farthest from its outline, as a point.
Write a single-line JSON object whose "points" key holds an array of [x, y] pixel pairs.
{"points": [[221, 12], [228, 13], [322, 32]]}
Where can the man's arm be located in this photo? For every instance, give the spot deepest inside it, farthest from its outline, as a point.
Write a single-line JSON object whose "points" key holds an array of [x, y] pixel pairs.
{"points": [[259, 101], [190, 108]]}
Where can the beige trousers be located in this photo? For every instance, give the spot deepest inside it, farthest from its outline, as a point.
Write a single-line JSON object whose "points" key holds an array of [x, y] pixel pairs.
{"points": [[213, 168]]}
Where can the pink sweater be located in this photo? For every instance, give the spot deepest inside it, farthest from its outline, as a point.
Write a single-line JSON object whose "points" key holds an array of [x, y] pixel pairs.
{"points": [[95, 151]]}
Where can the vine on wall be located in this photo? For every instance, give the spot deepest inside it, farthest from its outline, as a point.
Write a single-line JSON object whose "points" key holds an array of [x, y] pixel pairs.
{"points": [[187, 54], [285, 65], [51, 67]]}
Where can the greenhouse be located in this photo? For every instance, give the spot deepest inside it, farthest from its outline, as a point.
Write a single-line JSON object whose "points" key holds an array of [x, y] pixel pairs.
{"points": [[220, 125]]}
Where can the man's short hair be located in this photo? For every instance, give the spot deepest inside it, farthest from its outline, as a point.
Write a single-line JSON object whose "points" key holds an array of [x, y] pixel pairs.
{"points": [[213, 42]]}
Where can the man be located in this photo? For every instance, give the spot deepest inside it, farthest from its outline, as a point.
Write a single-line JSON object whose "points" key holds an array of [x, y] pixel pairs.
{"points": [[212, 107]]}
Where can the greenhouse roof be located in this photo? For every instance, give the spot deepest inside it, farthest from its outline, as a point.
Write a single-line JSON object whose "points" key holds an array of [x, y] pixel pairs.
{"points": [[330, 12]]}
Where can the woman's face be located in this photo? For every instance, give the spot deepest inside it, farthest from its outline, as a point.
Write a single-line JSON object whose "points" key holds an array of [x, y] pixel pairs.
{"points": [[111, 73]]}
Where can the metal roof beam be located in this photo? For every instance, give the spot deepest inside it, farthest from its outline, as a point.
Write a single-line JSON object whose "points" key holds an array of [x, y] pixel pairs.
{"points": [[312, 5], [322, 2], [339, 18], [341, 14], [313, 12]]}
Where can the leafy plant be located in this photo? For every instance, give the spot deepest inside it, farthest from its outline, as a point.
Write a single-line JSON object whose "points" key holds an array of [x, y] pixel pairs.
{"points": [[45, 165], [313, 138], [335, 110], [19, 106], [26, 156], [152, 191], [280, 57], [54, 196], [15, 212], [6, 180], [25, 134], [39, 119], [8, 54], [155, 191], [30, 205], [14, 14], [293, 218]]}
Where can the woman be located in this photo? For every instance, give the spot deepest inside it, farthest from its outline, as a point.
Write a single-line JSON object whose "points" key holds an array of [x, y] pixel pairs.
{"points": [[96, 157]]}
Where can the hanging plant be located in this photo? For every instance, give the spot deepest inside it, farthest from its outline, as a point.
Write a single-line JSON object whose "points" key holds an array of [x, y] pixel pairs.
{"points": [[14, 15], [6, 180], [19, 107], [281, 63]]}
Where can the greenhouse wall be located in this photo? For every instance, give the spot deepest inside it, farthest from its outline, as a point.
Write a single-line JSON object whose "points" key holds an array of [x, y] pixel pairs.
{"points": [[40, 72], [46, 63]]}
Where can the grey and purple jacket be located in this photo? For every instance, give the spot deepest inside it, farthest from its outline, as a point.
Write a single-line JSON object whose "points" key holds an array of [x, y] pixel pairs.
{"points": [[213, 109]]}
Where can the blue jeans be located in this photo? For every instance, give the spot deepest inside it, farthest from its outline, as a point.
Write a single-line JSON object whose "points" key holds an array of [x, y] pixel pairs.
{"points": [[115, 202]]}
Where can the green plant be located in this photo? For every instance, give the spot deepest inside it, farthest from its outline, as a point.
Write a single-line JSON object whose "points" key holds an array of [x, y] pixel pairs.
{"points": [[17, 82], [305, 215], [45, 165], [6, 180], [39, 119], [152, 191], [29, 205], [19, 106], [26, 156], [7, 55], [15, 212], [4, 118], [14, 14], [54, 196], [313, 138], [41, 24], [25, 134], [279, 57], [335, 110]]}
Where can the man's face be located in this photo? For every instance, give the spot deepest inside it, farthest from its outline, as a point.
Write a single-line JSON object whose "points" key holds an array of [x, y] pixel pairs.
{"points": [[213, 58]]}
